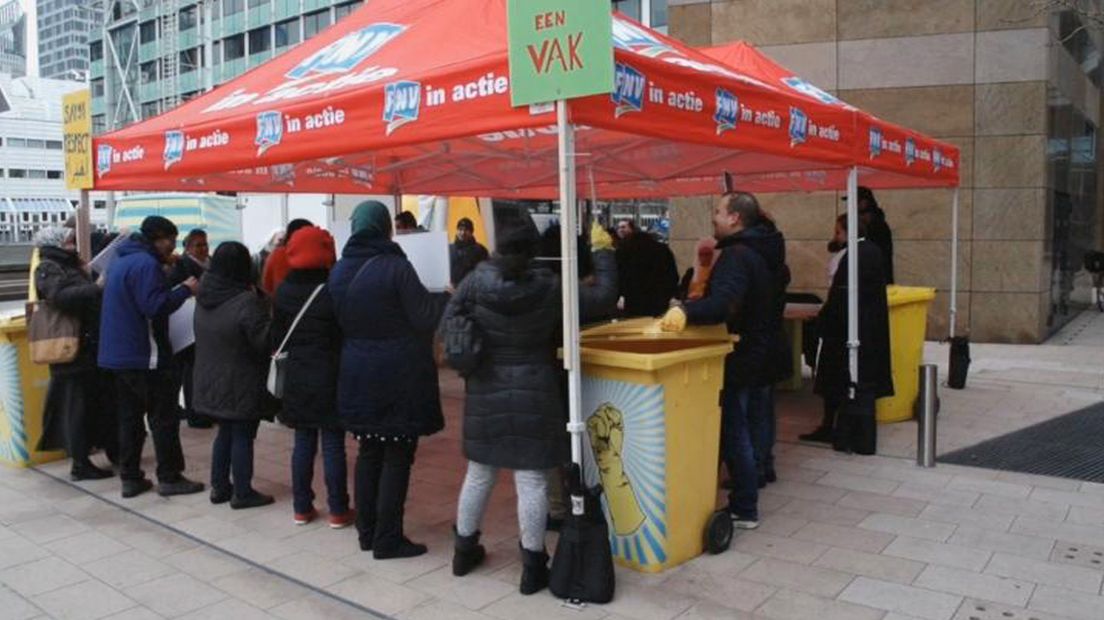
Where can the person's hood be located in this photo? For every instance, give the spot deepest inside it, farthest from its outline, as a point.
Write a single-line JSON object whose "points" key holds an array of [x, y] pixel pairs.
{"points": [[308, 276], [765, 239], [363, 245], [876, 213], [215, 290], [61, 256], [513, 297], [136, 244]]}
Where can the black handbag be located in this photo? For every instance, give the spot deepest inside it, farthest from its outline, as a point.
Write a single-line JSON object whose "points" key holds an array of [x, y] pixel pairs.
{"points": [[582, 569], [856, 428], [463, 344]]}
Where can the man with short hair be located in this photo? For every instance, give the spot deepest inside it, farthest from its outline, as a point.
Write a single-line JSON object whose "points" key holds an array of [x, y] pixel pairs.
{"points": [[740, 294], [405, 223], [465, 253], [646, 272], [134, 345]]}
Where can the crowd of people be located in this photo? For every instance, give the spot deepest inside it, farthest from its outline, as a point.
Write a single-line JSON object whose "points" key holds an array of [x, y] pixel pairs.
{"points": [[357, 336]]}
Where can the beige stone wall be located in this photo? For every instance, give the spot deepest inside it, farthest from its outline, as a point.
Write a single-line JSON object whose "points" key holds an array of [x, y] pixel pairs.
{"points": [[971, 72]]}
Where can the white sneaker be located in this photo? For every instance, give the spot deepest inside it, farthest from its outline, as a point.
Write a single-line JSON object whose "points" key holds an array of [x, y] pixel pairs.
{"points": [[744, 524]]}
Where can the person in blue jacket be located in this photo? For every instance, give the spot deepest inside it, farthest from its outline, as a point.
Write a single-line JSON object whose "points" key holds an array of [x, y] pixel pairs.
{"points": [[134, 346]]}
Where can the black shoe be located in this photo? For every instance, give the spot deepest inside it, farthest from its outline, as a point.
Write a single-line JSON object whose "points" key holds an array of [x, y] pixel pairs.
{"points": [[221, 497], [467, 553], [200, 423], [365, 542], [134, 488], [762, 481], [180, 486], [820, 435], [405, 549], [534, 571], [253, 500], [554, 524], [771, 476], [88, 471]]}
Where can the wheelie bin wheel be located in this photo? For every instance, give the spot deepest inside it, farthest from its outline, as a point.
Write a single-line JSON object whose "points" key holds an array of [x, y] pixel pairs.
{"points": [[718, 533]]}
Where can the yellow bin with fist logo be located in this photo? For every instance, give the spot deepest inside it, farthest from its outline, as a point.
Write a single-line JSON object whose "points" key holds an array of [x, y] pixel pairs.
{"points": [[651, 404]]}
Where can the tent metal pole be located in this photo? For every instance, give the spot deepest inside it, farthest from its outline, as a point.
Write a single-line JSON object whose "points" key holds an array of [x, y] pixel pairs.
{"points": [[84, 227], [954, 266], [853, 274], [570, 279]]}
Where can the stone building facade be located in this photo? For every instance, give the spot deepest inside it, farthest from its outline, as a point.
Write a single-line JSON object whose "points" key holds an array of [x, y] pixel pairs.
{"points": [[1015, 84]]}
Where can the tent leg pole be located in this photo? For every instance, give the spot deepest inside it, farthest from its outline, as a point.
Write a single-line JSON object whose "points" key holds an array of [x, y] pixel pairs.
{"points": [[84, 227], [570, 279], [853, 274], [953, 318]]}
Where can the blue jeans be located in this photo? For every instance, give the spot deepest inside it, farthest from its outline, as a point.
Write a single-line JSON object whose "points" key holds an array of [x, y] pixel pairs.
{"points": [[333, 465], [739, 455], [763, 426], [233, 452]]}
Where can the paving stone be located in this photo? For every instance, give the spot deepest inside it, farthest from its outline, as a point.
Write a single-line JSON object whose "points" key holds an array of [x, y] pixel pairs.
{"points": [[937, 494], [765, 545], [871, 565], [16, 607], [644, 603], [1081, 515], [968, 583], [1068, 603], [1019, 544], [1026, 507], [1087, 500], [1061, 531], [436, 610], [129, 568], [18, 550], [378, 594], [723, 590], [49, 528], [518, 606], [87, 600], [86, 547], [317, 607], [175, 595], [260, 588], [1078, 554], [844, 537], [802, 490], [853, 482], [712, 611], [817, 580], [895, 597], [791, 605], [312, 568], [205, 564], [1047, 573], [932, 552], [905, 526], [820, 512], [991, 487], [135, 613], [883, 504], [41, 576], [475, 591], [974, 609], [968, 516], [227, 609]]}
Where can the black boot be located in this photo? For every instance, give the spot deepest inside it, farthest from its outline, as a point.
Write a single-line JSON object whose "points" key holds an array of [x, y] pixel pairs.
{"points": [[366, 481], [534, 571], [822, 434], [389, 542], [88, 471], [467, 553]]}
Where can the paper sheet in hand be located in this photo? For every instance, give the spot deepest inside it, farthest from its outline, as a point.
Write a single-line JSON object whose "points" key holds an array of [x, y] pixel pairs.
{"points": [[182, 326], [103, 260], [429, 253]]}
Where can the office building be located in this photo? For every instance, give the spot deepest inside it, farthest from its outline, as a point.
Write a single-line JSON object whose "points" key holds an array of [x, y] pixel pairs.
{"points": [[63, 30], [13, 38]]}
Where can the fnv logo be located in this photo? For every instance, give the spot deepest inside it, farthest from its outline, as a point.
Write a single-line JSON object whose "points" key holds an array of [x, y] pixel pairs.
{"points": [[270, 131], [628, 90], [910, 151], [728, 111], [799, 127], [402, 102], [103, 159], [632, 38], [174, 148], [810, 90], [875, 142], [346, 53]]}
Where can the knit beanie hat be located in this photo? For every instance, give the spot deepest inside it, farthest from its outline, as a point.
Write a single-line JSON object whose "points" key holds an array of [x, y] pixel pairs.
{"points": [[311, 248]]}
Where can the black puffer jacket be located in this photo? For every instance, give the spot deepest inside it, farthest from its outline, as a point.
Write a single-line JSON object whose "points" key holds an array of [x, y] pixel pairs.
{"points": [[232, 327], [741, 295], [310, 394], [388, 379], [769, 243], [63, 283], [464, 257], [514, 410], [647, 275]]}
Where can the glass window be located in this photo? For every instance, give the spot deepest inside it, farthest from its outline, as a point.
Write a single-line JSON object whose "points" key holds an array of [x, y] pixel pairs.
{"points": [[287, 33], [344, 9], [36, 144], [53, 174], [231, 7], [659, 14], [313, 23], [97, 88], [149, 110], [54, 145], [216, 53], [95, 51], [260, 40], [234, 47], [36, 174], [147, 32], [17, 143], [17, 173], [148, 72], [257, 3], [189, 60], [188, 17]]}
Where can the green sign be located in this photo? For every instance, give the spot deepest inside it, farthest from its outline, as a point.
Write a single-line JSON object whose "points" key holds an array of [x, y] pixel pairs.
{"points": [[559, 49]]}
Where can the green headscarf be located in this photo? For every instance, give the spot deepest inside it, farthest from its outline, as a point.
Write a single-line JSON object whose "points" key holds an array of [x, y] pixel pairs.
{"points": [[372, 219]]}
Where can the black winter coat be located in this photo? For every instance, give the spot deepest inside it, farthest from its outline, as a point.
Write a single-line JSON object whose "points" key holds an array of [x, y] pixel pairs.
{"points": [[875, 373], [514, 410], [313, 351], [232, 327], [185, 267], [388, 379], [878, 232], [769, 243], [464, 258], [647, 275], [63, 283], [741, 295]]}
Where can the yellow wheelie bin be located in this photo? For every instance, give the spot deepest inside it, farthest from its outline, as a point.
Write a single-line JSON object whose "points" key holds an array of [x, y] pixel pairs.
{"points": [[908, 322], [651, 405], [22, 397]]}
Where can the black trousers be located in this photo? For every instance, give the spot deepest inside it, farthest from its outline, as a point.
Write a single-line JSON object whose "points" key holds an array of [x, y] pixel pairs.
{"points": [[232, 455], [70, 399], [380, 487], [148, 395], [184, 361]]}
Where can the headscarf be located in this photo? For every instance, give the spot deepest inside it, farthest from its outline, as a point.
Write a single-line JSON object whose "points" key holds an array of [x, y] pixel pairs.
{"points": [[311, 248], [516, 248], [700, 281], [232, 262], [52, 236], [372, 219]]}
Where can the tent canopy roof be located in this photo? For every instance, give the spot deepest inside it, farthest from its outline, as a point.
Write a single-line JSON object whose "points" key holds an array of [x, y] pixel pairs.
{"points": [[395, 98]]}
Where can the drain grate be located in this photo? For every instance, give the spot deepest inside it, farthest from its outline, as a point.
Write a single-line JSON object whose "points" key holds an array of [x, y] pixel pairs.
{"points": [[974, 609], [1085, 556], [1067, 446]]}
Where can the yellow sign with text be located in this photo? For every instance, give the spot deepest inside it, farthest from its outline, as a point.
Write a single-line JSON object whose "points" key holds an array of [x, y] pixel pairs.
{"points": [[77, 114]]}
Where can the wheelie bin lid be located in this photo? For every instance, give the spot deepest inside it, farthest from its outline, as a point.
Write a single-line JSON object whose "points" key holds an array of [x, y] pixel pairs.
{"points": [[638, 344], [900, 295]]}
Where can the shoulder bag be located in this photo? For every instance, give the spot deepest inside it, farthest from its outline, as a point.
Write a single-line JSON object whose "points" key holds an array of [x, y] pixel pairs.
{"points": [[277, 366], [54, 336]]}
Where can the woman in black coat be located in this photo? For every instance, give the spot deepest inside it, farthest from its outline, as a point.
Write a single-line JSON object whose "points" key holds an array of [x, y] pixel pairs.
{"points": [[310, 395], [232, 325], [387, 392], [72, 415], [514, 415], [875, 374]]}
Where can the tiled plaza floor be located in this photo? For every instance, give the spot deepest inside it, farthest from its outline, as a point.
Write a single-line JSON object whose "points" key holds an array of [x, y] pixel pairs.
{"points": [[847, 538]]}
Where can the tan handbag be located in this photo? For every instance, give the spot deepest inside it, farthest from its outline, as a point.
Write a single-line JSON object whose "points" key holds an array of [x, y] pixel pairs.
{"points": [[54, 336]]}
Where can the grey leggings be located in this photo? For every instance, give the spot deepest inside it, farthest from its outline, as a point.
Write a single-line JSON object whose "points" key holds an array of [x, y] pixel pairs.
{"points": [[532, 507]]}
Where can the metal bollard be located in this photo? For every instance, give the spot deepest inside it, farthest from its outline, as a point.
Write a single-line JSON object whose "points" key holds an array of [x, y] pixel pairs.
{"points": [[926, 420]]}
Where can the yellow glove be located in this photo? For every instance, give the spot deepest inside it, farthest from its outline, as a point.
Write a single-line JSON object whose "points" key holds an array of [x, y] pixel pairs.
{"points": [[600, 239], [674, 320]]}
